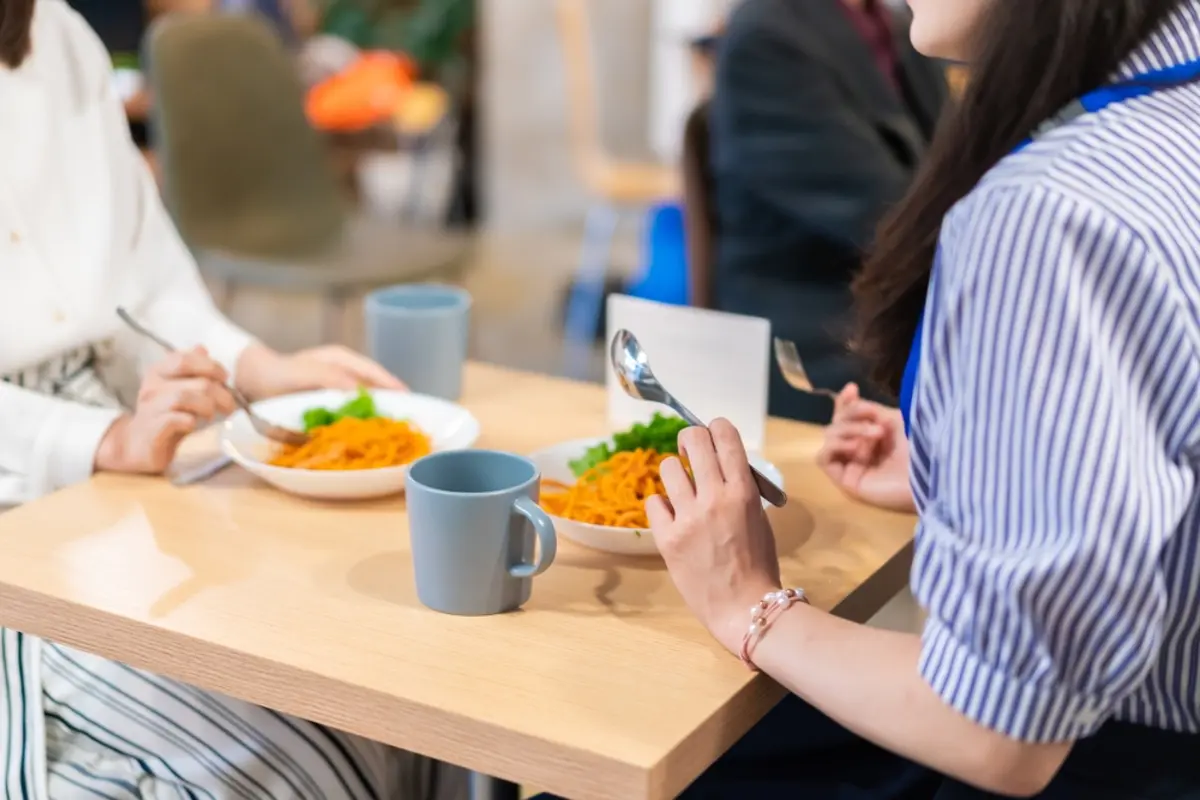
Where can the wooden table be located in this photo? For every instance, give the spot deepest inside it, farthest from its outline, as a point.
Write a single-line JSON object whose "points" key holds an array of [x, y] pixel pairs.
{"points": [[602, 687]]}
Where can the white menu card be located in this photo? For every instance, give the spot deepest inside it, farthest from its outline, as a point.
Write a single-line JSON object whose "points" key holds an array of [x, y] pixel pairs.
{"points": [[716, 364]]}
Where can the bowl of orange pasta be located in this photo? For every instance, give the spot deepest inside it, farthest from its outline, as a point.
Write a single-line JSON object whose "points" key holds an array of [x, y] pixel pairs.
{"points": [[596, 492], [360, 444]]}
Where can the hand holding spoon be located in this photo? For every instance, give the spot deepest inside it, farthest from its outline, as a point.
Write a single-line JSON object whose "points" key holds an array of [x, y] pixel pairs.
{"points": [[632, 366]]}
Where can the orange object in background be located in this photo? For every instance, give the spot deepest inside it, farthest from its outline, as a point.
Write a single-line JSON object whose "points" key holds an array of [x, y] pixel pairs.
{"points": [[423, 107], [366, 94]]}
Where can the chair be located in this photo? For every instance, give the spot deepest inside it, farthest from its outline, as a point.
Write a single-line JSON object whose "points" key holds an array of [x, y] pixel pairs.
{"points": [[698, 212], [249, 181], [615, 186]]}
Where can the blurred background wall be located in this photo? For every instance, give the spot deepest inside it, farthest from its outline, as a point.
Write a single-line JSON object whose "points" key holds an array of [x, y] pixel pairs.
{"points": [[527, 175]]}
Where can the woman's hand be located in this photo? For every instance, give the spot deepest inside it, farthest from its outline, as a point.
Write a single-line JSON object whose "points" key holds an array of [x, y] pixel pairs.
{"points": [[713, 533], [866, 452], [262, 372], [177, 396]]}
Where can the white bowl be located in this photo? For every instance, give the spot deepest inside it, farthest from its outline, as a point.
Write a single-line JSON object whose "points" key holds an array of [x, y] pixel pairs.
{"points": [[449, 426], [554, 464]]}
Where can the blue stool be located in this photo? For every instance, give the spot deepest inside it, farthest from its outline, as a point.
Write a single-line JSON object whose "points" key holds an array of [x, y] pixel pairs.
{"points": [[663, 276]]}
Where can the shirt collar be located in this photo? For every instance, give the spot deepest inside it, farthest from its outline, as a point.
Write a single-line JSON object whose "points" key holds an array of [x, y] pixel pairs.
{"points": [[1177, 41]]}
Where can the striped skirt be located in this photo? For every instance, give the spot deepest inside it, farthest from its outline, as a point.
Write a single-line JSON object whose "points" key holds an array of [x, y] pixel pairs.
{"points": [[80, 726]]}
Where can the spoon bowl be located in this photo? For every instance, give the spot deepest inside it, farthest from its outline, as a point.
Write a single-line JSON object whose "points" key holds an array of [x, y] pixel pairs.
{"points": [[632, 367]]}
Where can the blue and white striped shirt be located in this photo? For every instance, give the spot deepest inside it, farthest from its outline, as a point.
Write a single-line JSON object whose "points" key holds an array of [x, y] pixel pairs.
{"points": [[1056, 425]]}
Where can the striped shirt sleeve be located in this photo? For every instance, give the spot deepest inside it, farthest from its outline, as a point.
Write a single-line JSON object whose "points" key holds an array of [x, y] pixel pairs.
{"points": [[1057, 473]]}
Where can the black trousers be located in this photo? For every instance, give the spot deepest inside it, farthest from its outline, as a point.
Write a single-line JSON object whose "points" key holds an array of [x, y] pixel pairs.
{"points": [[797, 752]]}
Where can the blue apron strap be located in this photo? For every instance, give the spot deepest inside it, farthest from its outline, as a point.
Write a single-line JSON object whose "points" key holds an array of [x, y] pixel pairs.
{"points": [[1090, 103], [909, 383]]}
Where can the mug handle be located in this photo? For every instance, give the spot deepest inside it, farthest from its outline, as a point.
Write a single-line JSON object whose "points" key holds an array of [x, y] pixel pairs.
{"points": [[547, 539]]}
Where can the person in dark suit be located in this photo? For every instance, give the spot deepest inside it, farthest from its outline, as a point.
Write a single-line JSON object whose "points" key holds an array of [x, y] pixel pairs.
{"points": [[820, 114]]}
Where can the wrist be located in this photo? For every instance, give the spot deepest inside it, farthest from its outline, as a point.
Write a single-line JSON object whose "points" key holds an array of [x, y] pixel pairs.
{"points": [[763, 617], [251, 371], [792, 632], [110, 454], [731, 624]]}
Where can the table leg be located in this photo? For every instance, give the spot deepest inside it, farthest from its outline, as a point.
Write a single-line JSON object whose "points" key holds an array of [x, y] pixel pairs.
{"points": [[485, 787]]}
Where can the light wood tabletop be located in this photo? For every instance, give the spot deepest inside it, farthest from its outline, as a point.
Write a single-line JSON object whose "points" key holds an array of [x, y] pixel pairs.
{"points": [[602, 687]]}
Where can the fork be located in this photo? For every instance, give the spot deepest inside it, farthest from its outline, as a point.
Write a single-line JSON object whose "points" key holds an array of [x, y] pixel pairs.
{"points": [[276, 433], [788, 359]]}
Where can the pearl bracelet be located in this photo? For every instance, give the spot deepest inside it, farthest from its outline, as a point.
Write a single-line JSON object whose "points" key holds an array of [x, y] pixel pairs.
{"points": [[763, 615]]}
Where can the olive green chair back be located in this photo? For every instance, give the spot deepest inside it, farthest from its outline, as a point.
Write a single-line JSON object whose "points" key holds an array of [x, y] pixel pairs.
{"points": [[244, 172]]}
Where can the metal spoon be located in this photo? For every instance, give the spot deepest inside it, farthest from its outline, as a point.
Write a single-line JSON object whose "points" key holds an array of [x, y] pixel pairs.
{"points": [[632, 366], [275, 433], [788, 359]]}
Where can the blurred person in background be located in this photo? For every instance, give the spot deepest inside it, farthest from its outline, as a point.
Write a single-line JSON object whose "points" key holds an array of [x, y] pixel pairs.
{"points": [[821, 112], [82, 231]]}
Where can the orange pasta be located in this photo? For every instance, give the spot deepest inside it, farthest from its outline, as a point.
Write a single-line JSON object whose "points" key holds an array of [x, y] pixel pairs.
{"points": [[612, 493], [353, 443]]}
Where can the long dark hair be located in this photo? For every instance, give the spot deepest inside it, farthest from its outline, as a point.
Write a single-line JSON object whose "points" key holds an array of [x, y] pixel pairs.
{"points": [[16, 25], [1032, 57]]}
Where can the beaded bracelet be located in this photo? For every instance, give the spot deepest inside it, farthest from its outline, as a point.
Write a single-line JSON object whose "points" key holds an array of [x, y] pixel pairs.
{"points": [[763, 615]]}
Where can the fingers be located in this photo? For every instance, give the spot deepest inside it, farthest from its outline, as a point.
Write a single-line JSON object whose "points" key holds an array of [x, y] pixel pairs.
{"points": [[194, 363], [199, 397], [841, 451], [853, 474], [659, 512], [855, 430], [676, 481], [851, 442], [173, 426], [717, 456], [697, 445], [731, 454], [846, 397], [363, 370], [151, 439], [860, 411]]}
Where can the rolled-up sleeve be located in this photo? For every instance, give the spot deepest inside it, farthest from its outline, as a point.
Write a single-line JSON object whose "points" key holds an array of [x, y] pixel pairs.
{"points": [[1051, 464]]}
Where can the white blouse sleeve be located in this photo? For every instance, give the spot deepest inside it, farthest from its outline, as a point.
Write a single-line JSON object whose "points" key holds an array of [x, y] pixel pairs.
{"points": [[52, 446]]}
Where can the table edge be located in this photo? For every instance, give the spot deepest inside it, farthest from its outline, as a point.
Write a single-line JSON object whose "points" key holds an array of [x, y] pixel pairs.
{"points": [[79, 626], [116, 637], [699, 750]]}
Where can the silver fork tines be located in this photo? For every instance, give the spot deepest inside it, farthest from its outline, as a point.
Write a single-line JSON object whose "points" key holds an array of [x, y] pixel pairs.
{"points": [[788, 359]]}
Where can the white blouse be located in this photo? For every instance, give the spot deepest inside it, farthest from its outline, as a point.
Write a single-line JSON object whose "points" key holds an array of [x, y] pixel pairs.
{"points": [[82, 231]]}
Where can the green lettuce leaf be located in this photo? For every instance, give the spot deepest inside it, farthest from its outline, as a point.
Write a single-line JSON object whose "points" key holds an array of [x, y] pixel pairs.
{"points": [[362, 406], [661, 434]]}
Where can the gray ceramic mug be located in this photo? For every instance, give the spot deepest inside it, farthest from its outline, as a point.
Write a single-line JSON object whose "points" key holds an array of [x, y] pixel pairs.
{"points": [[419, 332], [473, 519]]}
